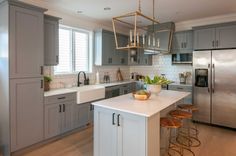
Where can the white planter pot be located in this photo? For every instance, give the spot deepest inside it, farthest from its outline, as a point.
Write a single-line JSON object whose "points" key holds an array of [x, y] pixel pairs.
{"points": [[155, 89]]}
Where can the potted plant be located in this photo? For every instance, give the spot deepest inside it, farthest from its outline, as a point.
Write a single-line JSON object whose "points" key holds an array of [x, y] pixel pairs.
{"points": [[47, 80], [154, 85]]}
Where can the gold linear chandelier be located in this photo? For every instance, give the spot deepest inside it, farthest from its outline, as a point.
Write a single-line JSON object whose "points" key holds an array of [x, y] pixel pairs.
{"points": [[141, 30]]}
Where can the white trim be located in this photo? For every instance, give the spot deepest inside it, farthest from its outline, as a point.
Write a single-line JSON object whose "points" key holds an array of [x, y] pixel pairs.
{"points": [[187, 25]]}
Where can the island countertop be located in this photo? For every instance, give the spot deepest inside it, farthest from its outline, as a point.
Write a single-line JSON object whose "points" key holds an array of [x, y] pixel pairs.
{"points": [[147, 108]]}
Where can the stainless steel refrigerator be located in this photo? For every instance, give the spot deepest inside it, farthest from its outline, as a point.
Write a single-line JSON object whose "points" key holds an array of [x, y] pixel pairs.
{"points": [[214, 91]]}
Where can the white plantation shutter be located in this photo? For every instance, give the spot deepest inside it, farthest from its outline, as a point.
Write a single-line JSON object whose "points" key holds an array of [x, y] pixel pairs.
{"points": [[65, 53], [81, 41], [73, 51]]}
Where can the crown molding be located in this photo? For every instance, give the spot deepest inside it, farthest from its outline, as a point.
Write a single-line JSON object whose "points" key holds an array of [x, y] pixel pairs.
{"points": [[187, 25]]}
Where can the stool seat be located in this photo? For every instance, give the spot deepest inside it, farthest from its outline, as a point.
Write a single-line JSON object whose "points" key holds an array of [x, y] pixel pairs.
{"points": [[188, 107], [180, 114], [169, 122]]}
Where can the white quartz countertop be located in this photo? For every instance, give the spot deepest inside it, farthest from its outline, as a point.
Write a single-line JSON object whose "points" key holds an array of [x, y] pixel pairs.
{"points": [[82, 88], [116, 83], [180, 84], [59, 91], [155, 104]]}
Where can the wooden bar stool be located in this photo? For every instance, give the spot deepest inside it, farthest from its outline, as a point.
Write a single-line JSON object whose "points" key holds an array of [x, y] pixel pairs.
{"points": [[183, 136], [172, 124], [194, 132]]}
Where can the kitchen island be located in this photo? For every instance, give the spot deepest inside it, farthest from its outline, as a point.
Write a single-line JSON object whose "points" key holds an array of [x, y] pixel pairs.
{"points": [[127, 127]]}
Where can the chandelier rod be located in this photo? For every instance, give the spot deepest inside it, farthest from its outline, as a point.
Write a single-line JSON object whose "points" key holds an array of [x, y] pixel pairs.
{"points": [[139, 5]]}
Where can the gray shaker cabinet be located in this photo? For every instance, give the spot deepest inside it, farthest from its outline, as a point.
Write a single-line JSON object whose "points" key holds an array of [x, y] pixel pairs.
{"points": [[27, 120], [226, 36], [105, 49], [220, 36], [58, 117], [204, 39], [183, 42], [51, 40], [81, 114], [26, 42], [52, 120]]}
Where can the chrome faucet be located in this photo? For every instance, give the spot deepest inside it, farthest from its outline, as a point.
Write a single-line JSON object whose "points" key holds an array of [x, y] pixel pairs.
{"points": [[86, 80]]}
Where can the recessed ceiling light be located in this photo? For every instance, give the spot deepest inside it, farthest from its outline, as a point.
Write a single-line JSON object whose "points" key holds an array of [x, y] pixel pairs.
{"points": [[107, 8], [79, 12]]}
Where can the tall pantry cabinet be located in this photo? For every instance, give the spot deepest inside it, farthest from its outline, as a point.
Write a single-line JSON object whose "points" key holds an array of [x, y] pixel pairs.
{"points": [[24, 36]]}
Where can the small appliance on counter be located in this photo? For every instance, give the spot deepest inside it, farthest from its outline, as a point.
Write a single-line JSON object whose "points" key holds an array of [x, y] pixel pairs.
{"points": [[183, 77], [106, 78]]}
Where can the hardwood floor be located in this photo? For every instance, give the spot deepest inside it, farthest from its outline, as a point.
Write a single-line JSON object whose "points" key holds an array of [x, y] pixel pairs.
{"points": [[215, 142]]}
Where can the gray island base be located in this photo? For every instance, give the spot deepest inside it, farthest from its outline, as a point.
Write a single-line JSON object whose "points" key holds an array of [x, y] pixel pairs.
{"points": [[127, 127]]}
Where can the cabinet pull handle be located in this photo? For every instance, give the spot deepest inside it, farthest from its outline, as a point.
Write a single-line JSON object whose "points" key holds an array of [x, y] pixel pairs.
{"points": [[185, 45], [60, 98], [41, 83], [118, 120], [182, 45], [57, 59], [64, 107], [213, 43], [113, 118], [217, 43], [180, 88], [213, 78], [41, 70], [59, 108]]}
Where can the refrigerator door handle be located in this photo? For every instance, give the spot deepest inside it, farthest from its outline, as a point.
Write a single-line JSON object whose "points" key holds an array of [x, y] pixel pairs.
{"points": [[213, 78], [209, 68]]}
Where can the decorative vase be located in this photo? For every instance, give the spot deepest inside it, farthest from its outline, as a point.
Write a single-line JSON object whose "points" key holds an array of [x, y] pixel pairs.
{"points": [[155, 89], [46, 86]]}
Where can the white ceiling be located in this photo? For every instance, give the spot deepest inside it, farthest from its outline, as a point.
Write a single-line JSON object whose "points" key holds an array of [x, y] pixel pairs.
{"points": [[166, 10]]}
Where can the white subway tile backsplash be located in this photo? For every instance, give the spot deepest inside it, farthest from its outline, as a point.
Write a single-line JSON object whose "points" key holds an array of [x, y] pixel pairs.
{"points": [[161, 65]]}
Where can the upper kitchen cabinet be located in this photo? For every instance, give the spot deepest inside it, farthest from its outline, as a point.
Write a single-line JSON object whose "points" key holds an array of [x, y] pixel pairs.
{"points": [[219, 36], [51, 40], [182, 42], [105, 49], [26, 41]]}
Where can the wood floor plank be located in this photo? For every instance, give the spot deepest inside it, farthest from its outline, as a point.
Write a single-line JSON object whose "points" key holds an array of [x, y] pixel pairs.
{"points": [[215, 142]]}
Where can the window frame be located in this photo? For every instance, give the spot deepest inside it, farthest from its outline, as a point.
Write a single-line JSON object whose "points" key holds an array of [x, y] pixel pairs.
{"points": [[72, 50]]}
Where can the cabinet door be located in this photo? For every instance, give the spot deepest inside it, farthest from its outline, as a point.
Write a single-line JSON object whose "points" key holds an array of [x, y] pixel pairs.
{"points": [[123, 54], [51, 42], [67, 116], [52, 120], [105, 133], [131, 135], [26, 43], [107, 49], [81, 115], [189, 41], [26, 109], [178, 40], [204, 39], [226, 37]]}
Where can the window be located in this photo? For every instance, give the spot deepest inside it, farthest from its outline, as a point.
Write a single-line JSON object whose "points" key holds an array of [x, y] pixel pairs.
{"points": [[74, 51]]}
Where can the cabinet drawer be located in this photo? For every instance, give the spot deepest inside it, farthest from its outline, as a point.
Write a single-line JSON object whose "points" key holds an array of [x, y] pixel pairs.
{"points": [[180, 88], [60, 98]]}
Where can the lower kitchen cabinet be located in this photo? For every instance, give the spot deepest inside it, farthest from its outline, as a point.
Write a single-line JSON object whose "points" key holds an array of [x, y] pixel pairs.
{"points": [[58, 113], [81, 114], [183, 88], [26, 112], [123, 134]]}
